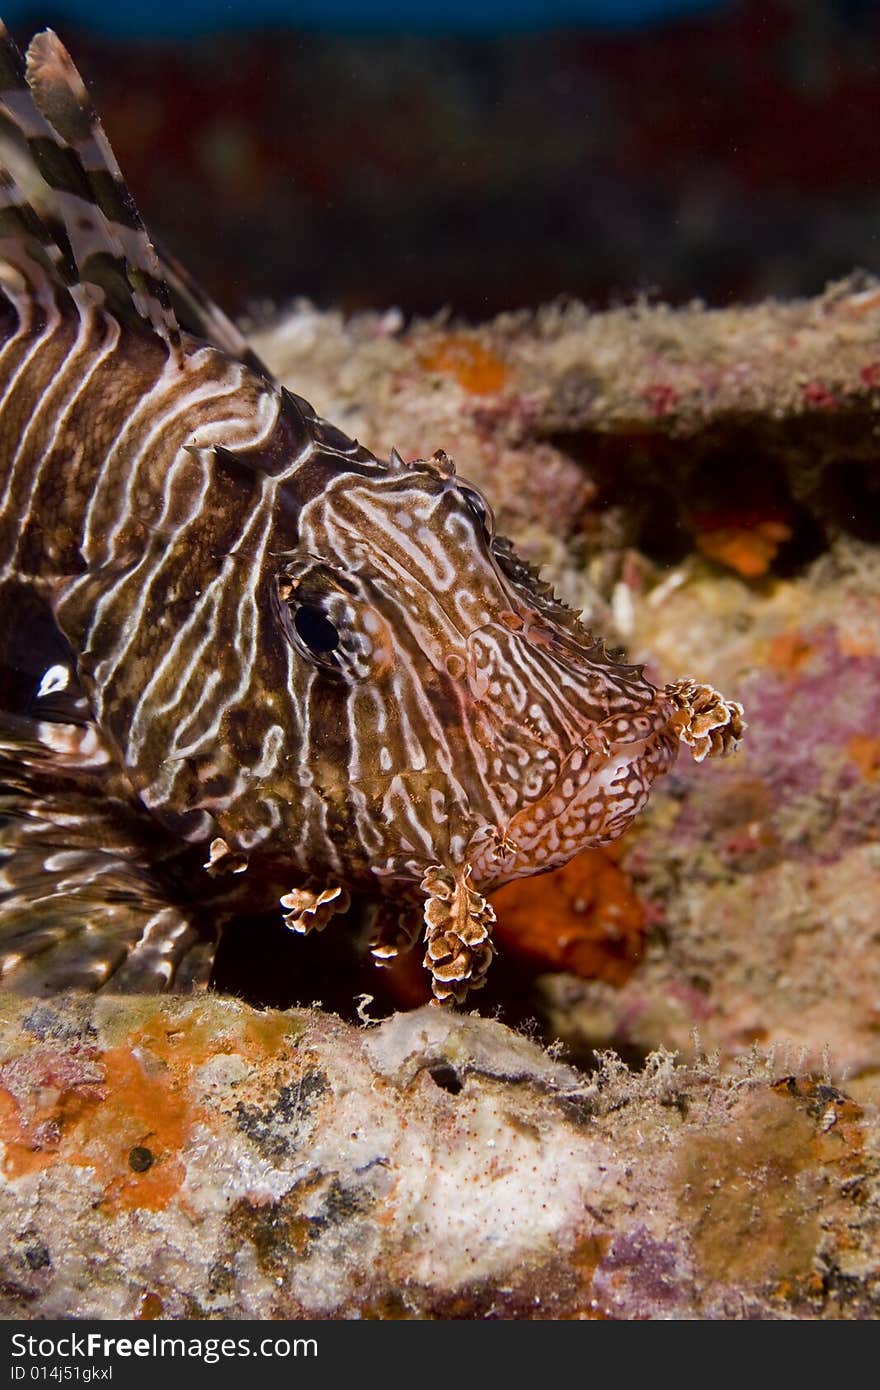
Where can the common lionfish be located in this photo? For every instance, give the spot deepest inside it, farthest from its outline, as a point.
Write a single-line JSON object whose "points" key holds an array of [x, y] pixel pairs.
{"points": [[244, 662]]}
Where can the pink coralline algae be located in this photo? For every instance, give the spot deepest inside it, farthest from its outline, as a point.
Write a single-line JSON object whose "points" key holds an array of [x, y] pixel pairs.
{"points": [[802, 786]]}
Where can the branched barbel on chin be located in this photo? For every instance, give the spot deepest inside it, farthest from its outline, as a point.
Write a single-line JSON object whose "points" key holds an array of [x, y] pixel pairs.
{"points": [[286, 672]]}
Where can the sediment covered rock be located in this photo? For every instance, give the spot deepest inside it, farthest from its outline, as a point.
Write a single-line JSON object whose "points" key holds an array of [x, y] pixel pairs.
{"points": [[201, 1159]]}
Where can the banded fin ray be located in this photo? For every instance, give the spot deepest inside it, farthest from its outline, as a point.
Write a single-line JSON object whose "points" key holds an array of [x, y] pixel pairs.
{"points": [[81, 897], [46, 101], [26, 239]]}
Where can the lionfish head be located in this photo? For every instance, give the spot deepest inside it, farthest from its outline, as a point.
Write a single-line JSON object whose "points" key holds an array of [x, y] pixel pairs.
{"points": [[478, 725]]}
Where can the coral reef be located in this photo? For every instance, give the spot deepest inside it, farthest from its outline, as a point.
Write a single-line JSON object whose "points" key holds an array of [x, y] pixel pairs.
{"points": [[200, 1159], [674, 432], [761, 885], [584, 917]]}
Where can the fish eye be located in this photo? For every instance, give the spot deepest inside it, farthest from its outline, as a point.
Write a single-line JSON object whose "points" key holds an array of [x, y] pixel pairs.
{"points": [[480, 508], [315, 629], [331, 620], [304, 602]]}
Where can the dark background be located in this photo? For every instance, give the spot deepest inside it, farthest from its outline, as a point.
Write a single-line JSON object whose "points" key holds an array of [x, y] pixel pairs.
{"points": [[726, 151]]}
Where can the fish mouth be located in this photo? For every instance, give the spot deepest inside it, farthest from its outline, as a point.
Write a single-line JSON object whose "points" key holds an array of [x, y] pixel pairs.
{"points": [[602, 785], [656, 720]]}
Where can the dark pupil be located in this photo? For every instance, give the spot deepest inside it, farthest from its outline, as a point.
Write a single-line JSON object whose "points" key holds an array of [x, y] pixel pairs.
{"points": [[316, 631], [480, 511]]}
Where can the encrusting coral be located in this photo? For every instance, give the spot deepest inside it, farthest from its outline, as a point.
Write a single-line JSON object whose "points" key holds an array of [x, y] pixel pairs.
{"points": [[196, 1158]]}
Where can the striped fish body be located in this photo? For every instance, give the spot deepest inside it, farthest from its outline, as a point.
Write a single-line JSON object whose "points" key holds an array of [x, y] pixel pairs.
{"points": [[248, 662]]}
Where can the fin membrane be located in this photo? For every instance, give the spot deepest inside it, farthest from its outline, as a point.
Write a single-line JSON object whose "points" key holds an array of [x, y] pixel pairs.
{"points": [[84, 896], [197, 314]]}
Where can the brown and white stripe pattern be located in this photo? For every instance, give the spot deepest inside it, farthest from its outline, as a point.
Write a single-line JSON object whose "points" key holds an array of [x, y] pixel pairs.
{"points": [[304, 669]]}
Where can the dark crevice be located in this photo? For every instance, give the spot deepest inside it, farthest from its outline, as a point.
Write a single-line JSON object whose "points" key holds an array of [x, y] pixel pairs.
{"points": [[813, 476], [262, 962], [582, 1055], [849, 494], [446, 1077], [266, 964]]}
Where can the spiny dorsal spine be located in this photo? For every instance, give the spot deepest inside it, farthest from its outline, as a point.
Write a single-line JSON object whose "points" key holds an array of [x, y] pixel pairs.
{"points": [[45, 98]]}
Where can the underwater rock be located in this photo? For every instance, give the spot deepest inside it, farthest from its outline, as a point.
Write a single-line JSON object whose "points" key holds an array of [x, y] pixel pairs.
{"points": [[180, 1158], [760, 884], [739, 432]]}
